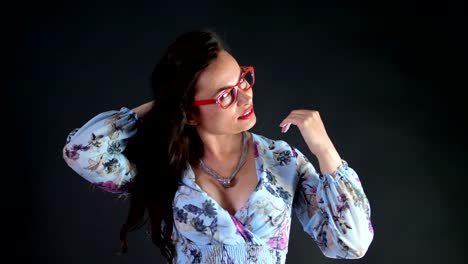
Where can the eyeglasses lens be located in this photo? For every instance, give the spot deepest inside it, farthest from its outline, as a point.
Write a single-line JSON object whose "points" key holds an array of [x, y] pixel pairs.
{"points": [[245, 84]]}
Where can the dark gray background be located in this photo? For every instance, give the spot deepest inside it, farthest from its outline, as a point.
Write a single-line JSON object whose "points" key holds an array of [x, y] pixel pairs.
{"points": [[386, 80]]}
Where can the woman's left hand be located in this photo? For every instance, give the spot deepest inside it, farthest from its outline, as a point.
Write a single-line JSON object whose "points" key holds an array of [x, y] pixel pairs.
{"points": [[312, 129]]}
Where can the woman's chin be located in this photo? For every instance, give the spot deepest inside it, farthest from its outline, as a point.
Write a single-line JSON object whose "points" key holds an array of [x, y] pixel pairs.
{"points": [[248, 124]]}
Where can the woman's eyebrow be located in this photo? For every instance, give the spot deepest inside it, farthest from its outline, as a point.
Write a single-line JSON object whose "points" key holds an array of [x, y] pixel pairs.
{"points": [[225, 87]]}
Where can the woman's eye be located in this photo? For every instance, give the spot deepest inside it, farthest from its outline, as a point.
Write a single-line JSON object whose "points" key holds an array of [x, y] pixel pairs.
{"points": [[225, 95]]}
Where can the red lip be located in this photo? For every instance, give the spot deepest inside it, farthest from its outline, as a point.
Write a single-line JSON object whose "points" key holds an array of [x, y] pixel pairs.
{"points": [[249, 115], [247, 110]]}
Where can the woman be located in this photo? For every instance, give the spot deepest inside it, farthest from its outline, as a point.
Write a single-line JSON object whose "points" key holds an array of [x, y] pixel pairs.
{"points": [[214, 192]]}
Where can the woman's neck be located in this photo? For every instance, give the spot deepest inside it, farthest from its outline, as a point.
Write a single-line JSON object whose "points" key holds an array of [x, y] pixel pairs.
{"points": [[222, 147]]}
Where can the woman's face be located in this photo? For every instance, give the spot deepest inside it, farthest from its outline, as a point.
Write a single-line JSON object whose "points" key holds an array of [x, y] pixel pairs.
{"points": [[223, 72]]}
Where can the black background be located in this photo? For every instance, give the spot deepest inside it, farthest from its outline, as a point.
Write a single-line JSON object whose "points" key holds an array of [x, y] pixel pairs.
{"points": [[387, 80]]}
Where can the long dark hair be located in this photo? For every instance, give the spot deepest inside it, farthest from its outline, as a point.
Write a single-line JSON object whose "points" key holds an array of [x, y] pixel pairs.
{"points": [[165, 142]]}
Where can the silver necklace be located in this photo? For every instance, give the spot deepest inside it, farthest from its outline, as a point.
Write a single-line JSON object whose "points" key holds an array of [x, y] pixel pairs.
{"points": [[226, 182]]}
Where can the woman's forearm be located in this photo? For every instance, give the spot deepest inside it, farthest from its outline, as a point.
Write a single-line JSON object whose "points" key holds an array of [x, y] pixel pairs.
{"points": [[143, 109]]}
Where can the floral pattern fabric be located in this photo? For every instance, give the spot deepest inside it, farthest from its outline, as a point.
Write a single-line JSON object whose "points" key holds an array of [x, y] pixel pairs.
{"points": [[332, 208]]}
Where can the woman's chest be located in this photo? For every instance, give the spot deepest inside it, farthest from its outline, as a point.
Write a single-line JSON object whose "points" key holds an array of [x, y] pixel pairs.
{"points": [[262, 206], [265, 213], [242, 186]]}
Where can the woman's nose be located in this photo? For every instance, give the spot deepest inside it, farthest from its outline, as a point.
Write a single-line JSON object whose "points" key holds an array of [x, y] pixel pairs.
{"points": [[244, 97]]}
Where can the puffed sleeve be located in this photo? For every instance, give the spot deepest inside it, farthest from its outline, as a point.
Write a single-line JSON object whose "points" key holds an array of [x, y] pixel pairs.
{"points": [[333, 210], [94, 151]]}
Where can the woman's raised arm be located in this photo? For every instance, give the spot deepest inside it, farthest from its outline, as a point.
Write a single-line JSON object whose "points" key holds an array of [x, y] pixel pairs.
{"points": [[94, 151], [143, 109]]}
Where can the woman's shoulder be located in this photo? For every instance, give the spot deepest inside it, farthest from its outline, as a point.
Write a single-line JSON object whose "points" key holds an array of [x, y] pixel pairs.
{"points": [[266, 143], [278, 157]]}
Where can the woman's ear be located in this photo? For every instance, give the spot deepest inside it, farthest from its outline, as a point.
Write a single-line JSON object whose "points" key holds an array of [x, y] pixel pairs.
{"points": [[191, 120]]}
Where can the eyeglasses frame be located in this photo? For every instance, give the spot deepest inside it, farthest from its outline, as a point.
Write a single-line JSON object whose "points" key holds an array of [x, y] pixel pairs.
{"points": [[217, 99]]}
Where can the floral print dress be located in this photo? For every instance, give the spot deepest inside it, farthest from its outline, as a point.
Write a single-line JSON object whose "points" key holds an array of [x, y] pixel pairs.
{"points": [[332, 208]]}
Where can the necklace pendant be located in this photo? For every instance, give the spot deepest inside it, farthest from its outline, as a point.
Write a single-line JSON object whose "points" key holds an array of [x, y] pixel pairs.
{"points": [[226, 183]]}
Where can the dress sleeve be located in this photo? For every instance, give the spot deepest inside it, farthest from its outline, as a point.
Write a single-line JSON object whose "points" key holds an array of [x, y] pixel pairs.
{"points": [[333, 210], [94, 151]]}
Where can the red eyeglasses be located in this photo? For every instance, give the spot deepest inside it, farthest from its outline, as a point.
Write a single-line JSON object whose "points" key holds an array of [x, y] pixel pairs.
{"points": [[229, 96]]}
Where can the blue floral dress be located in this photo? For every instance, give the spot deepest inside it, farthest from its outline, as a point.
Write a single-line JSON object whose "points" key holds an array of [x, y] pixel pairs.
{"points": [[332, 208]]}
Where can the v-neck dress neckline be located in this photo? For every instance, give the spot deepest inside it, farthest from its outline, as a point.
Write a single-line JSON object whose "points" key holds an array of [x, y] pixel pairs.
{"points": [[190, 180]]}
